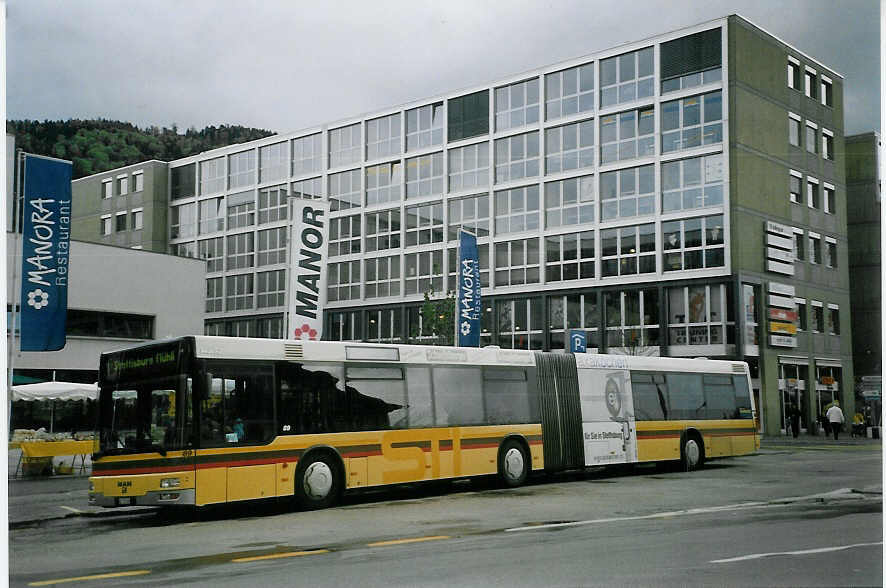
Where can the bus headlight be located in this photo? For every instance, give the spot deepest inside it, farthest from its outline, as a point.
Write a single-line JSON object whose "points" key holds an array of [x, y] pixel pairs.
{"points": [[170, 483], [91, 486]]}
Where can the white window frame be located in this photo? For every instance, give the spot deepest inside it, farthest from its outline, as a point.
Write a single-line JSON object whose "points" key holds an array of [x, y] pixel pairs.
{"points": [[117, 216], [814, 142], [810, 198], [796, 69], [138, 181], [826, 253], [107, 188], [106, 226], [799, 198], [798, 256], [828, 188], [829, 323], [508, 116], [826, 84], [809, 87], [801, 302], [799, 126], [813, 239], [138, 219], [123, 184], [827, 144], [812, 326]]}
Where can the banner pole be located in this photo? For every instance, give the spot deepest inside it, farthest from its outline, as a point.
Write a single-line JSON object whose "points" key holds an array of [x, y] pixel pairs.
{"points": [[16, 229]]}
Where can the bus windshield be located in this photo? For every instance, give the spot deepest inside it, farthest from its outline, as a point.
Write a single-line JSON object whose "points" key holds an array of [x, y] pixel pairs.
{"points": [[149, 415]]}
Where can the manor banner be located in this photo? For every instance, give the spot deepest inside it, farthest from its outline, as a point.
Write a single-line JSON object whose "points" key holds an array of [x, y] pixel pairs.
{"points": [[46, 245], [467, 301], [308, 268]]}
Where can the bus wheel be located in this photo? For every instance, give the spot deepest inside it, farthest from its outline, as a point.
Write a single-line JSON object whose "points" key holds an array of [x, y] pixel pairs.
{"points": [[513, 463], [317, 482], [692, 454]]}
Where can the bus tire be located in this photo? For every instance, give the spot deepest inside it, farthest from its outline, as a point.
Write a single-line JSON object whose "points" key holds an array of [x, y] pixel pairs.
{"points": [[692, 452], [318, 481], [513, 463]]}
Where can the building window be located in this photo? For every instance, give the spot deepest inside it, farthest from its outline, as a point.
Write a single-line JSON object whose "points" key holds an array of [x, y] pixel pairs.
{"points": [[241, 169], [691, 61], [383, 183], [692, 183], [311, 189], [830, 199], [107, 189], [345, 190], [692, 122], [573, 311], [424, 224], [383, 136], [521, 323], [271, 289], [793, 75], [833, 319], [471, 214], [212, 175], [483, 251], [812, 197], [814, 248], [183, 249], [307, 154], [569, 147], [569, 91], [382, 276], [385, 326], [570, 257], [383, 230], [240, 290], [424, 126], [693, 243], [516, 105], [272, 246], [516, 262], [138, 179], [627, 193], [240, 250], [697, 315], [469, 116], [516, 157], [138, 219], [810, 85], [811, 144], [241, 210], [106, 225], [212, 215], [344, 146], [628, 250], [343, 281], [273, 162], [794, 131], [632, 320], [423, 271], [272, 204], [183, 221], [626, 78], [469, 167], [817, 317], [109, 325], [516, 210], [802, 324], [831, 259], [182, 181], [627, 135], [122, 186], [827, 92], [346, 326], [795, 191], [569, 202], [344, 235], [213, 251], [827, 144], [215, 294], [424, 175], [799, 239]]}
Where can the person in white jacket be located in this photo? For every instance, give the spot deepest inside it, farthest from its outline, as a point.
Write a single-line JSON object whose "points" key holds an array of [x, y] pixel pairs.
{"points": [[835, 417]]}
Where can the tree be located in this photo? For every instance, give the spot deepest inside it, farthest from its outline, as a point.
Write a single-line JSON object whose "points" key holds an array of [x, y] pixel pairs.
{"points": [[438, 318]]}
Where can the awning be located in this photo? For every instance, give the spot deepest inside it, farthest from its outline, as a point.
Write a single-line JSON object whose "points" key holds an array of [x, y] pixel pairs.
{"points": [[55, 391]]}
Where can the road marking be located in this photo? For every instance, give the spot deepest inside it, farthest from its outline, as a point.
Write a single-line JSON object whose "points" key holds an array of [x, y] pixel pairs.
{"points": [[402, 541], [279, 555], [72, 509], [845, 493], [95, 577], [802, 552]]}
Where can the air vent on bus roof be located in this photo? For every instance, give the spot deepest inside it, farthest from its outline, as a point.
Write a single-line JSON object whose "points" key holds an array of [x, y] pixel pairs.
{"points": [[738, 368], [293, 351]]}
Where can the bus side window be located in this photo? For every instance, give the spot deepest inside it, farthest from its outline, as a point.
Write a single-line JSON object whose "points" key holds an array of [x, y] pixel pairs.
{"points": [[719, 396], [650, 396], [458, 395], [686, 396], [742, 398], [418, 396], [312, 401], [506, 393], [377, 396]]}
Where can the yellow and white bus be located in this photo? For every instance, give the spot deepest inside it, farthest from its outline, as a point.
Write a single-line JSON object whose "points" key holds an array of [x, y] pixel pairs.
{"points": [[208, 420]]}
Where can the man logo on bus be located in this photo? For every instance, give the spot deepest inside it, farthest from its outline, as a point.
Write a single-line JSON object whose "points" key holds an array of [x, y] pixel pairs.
{"points": [[305, 332], [613, 397]]}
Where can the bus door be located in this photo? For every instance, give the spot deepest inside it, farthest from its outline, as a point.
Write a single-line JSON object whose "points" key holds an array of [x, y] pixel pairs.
{"points": [[607, 409]]}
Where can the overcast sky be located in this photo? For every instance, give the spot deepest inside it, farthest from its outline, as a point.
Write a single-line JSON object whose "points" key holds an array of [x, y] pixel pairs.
{"points": [[291, 64]]}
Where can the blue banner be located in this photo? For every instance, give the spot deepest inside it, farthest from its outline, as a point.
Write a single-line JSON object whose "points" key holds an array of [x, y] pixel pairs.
{"points": [[46, 236], [468, 297]]}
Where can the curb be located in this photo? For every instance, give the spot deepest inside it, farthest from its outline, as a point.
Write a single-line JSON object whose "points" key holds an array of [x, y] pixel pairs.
{"points": [[85, 514]]}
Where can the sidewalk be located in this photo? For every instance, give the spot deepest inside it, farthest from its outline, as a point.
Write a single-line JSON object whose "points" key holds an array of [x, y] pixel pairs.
{"points": [[812, 441]]}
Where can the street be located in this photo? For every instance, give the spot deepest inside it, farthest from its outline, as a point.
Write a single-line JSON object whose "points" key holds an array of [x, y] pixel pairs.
{"points": [[807, 515]]}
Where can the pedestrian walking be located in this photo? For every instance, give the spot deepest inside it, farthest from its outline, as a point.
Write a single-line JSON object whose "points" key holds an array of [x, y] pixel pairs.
{"points": [[795, 420], [835, 417]]}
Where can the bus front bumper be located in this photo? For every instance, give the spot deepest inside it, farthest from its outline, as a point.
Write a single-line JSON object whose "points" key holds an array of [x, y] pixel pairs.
{"points": [[170, 497]]}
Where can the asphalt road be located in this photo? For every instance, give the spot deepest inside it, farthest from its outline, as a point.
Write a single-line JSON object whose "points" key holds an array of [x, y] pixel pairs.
{"points": [[790, 516]]}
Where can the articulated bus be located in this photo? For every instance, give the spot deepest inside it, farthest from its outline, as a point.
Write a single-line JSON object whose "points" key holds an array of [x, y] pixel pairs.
{"points": [[208, 420]]}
